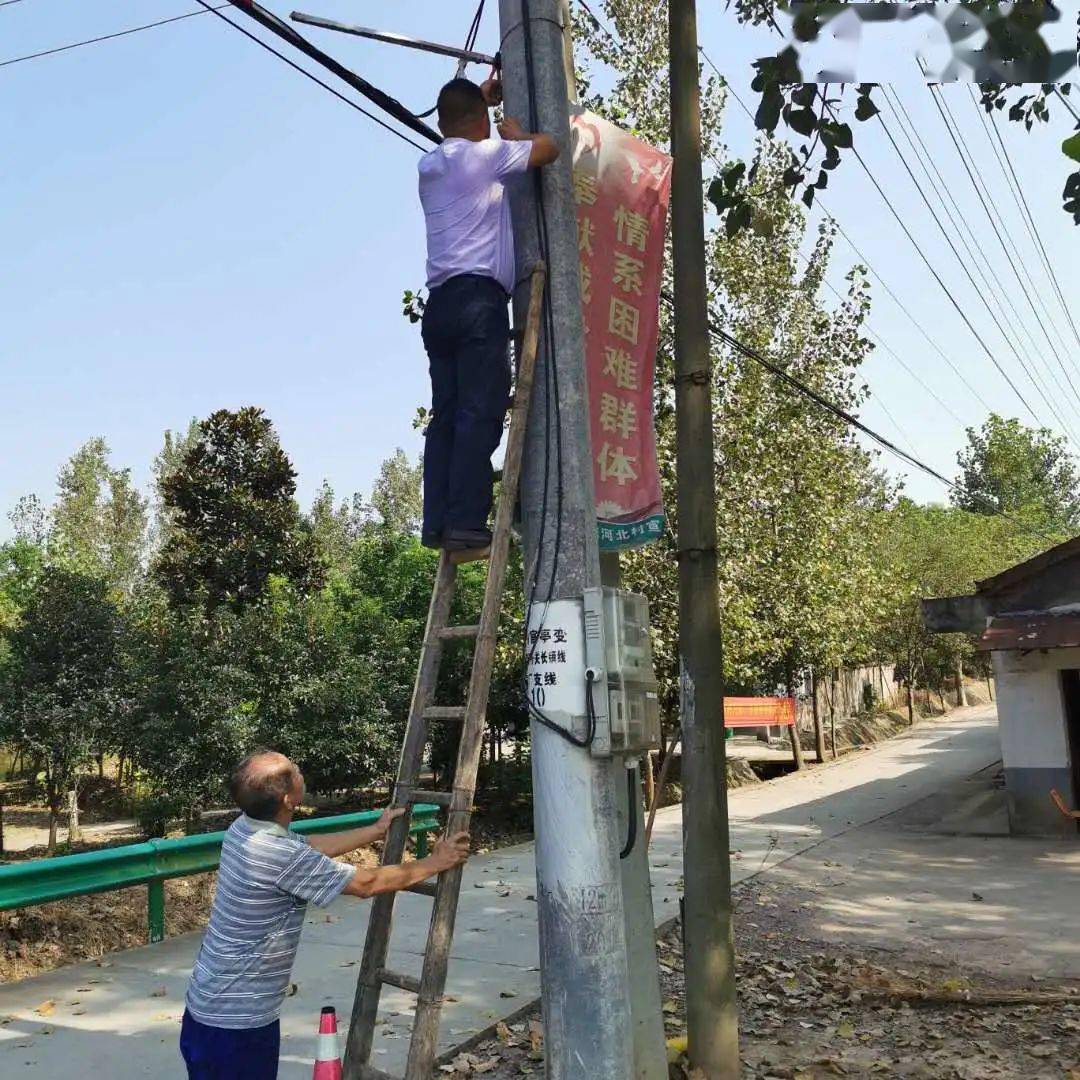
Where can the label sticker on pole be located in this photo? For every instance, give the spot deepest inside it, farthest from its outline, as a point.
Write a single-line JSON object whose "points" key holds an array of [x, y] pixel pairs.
{"points": [[621, 188], [556, 654]]}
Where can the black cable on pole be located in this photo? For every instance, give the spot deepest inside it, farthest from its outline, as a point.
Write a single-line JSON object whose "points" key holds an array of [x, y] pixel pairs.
{"points": [[552, 416], [1016, 188], [314, 78], [631, 811], [283, 30], [103, 37], [956, 136]]}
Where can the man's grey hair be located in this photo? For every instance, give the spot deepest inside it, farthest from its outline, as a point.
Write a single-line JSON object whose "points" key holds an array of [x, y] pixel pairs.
{"points": [[260, 782]]}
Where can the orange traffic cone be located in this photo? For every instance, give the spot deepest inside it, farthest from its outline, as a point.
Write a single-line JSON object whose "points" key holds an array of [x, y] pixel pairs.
{"points": [[327, 1058]]}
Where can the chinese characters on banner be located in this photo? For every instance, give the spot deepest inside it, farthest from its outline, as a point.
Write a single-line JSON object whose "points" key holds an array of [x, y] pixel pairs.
{"points": [[621, 188]]}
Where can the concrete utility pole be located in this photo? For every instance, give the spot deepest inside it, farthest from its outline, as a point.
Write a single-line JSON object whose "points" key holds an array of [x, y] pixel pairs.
{"points": [[583, 959], [711, 1013]]}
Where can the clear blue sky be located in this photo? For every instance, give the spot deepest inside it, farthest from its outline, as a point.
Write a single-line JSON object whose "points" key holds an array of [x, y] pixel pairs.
{"points": [[188, 224]]}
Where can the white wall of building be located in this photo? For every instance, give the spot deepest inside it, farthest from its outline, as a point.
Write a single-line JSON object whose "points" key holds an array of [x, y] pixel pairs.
{"points": [[1034, 741]]}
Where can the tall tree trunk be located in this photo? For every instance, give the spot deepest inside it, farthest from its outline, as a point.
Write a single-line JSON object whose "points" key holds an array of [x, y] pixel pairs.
{"points": [[121, 762], [54, 817], [101, 766], [74, 831], [961, 693], [793, 730], [833, 676], [819, 727], [910, 704]]}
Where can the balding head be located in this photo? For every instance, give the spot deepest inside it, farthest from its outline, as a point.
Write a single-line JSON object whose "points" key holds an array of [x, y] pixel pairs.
{"points": [[261, 781]]}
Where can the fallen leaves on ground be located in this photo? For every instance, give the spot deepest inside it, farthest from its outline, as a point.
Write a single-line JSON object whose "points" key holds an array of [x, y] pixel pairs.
{"points": [[810, 1010]]}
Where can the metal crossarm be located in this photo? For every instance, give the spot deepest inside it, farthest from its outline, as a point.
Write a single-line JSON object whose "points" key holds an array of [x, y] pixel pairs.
{"points": [[374, 974]]}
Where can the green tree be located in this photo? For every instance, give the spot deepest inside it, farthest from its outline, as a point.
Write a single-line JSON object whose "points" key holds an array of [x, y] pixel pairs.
{"points": [[334, 527], [1007, 468], [234, 518], [396, 495], [175, 445], [99, 519], [63, 679], [193, 715]]}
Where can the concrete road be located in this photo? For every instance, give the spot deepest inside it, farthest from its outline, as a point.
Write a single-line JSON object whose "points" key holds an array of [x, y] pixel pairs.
{"points": [[121, 1020]]}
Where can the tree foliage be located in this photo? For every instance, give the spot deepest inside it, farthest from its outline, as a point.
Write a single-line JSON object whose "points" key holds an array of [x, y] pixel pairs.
{"points": [[63, 679], [1007, 468], [1013, 56], [235, 521]]}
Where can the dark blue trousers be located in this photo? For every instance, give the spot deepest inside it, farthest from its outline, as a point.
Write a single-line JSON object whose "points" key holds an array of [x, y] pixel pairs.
{"points": [[213, 1053], [466, 332]]}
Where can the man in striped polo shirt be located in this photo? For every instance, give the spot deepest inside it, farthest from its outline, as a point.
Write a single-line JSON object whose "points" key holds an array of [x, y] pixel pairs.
{"points": [[266, 877]]}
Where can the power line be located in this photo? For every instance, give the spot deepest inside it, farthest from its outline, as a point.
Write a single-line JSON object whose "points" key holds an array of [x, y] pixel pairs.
{"points": [[865, 261], [206, 9], [103, 37], [842, 414], [1068, 104], [314, 78], [705, 56], [1016, 188], [950, 122], [937, 277], [934, 272], [976, 253]]}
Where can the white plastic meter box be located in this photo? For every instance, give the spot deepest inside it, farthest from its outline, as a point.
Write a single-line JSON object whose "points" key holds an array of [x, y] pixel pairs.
{"points": [[618, 654]]}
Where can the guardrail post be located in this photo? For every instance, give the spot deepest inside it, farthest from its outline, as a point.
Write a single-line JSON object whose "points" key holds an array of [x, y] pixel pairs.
{"points": [[155, 910]]}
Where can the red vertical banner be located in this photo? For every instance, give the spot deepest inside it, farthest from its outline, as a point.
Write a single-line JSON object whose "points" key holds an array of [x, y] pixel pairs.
{"points": [[621, 187]]}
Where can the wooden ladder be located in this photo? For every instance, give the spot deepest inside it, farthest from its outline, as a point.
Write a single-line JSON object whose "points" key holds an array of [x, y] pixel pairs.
{"points": [[445, 892]]}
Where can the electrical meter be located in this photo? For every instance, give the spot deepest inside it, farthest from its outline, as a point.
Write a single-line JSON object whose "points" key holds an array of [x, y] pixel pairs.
{"points": [[619, 654]]}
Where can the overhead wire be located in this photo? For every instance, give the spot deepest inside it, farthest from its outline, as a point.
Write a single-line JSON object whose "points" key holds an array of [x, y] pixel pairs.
{"points": [[976, 254], [949, 120], [314, 78], [910, 315], [206, 9], [937, 277], [611, 37], [470, 44], [842, 414], [102, 37], [1004, 160]]}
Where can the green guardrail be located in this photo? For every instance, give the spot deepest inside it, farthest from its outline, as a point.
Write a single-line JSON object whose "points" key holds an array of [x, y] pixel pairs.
{"points": [[153, 862]]}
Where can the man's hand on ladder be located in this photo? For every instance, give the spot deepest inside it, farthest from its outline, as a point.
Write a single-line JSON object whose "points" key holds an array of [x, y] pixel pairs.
{"points": [[450, 851]]}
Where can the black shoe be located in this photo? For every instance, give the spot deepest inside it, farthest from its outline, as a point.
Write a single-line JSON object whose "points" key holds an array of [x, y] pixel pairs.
{"points": [[431, 540], [466, 539]]}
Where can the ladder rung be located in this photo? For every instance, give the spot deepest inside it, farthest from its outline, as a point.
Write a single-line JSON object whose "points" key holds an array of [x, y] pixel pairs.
{"points": [[424, 888], [402, 982], [444, 712], [439, 798], [448, 633]]}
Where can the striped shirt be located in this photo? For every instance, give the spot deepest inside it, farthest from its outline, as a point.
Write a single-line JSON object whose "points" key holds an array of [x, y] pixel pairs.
{"points": [[266, 877]]}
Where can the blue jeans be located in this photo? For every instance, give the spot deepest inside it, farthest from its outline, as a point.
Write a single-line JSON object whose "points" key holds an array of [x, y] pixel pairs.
{"points": [[466, 332], [213, 1053]]}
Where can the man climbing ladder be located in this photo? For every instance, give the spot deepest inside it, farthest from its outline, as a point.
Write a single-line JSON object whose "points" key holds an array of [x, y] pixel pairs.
{"points": [[466, 330]]}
